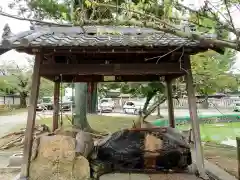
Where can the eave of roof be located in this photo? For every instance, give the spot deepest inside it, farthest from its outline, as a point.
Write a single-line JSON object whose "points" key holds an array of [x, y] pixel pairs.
{"points": [[94, 36]]}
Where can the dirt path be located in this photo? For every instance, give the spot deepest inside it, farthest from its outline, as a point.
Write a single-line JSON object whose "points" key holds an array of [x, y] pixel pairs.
{"points": [[8, 176], [9, 122], [223, 156]]}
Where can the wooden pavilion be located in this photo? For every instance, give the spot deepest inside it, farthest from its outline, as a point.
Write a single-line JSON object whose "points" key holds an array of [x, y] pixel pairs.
{"points": [[104, 53]]}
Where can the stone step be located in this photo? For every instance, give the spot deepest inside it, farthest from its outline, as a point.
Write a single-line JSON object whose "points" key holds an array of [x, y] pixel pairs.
{"points": [[124, 176]]}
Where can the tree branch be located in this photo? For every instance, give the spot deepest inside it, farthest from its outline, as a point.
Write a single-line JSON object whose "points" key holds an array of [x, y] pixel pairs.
{"points": [[192, 36], [227, 20], [148, 24], [190, 21], [231, 20], [31, 20], [199, 13], [134, 11]]}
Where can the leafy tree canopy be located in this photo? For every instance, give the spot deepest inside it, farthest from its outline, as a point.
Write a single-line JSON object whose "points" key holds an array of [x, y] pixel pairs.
{"points": [[17, 80], [211, 72], [166, 15]]}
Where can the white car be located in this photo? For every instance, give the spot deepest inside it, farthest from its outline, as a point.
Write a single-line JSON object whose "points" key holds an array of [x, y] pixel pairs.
{"points": [[106, 105], [236, 107], [132, 107]]}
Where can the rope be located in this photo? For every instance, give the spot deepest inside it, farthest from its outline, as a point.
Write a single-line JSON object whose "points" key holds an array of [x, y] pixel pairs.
{"points": [[73, 100], [61, 115]]}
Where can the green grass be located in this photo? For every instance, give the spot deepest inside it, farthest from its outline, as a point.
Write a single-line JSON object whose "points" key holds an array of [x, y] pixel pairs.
{"points": [[209, 132], [97, 122], [217, 132]]}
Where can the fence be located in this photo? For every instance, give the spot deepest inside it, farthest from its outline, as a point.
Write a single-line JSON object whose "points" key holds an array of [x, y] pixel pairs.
{"points": [[224, 103], [10, 100]]}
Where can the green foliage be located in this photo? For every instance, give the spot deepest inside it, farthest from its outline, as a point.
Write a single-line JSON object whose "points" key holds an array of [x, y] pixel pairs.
{"points": [[209, 69], [46, 88], [4, 87], [18, 81], [160, 15], [210, 72]]}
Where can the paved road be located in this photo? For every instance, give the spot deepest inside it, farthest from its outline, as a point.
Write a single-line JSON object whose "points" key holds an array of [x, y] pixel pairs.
{"points": [[9, 122]]}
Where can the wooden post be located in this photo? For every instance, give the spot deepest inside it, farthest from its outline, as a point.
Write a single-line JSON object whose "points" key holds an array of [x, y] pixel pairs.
{"points": [[56, 105], [31, 118], [238, 154], [94, 97], [89, 97], [170, 103], [194, 119]]}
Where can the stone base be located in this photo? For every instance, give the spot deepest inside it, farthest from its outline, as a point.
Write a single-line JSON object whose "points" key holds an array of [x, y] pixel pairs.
{"points": [[124, 176], [56, 160], [15, 160]]}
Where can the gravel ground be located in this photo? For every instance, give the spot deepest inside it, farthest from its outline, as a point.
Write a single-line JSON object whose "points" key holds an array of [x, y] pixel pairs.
{"points": [[9, 122], [8, 176]]}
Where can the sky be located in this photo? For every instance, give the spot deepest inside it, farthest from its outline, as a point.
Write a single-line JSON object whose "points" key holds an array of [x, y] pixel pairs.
{"points": [[17, 26]]}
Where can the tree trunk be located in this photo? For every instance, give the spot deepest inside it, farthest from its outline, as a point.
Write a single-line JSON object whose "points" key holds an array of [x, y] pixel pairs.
{"points": [[80, 118], [147, 102], [158, 108], [205, 103], [92, 98], [23, 101]]}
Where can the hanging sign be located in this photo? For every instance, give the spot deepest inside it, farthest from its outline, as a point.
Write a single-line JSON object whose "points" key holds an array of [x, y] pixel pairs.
{"points": [[108, 78]]}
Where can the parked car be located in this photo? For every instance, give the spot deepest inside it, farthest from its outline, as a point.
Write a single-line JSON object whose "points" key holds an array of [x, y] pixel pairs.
{"points": [[106, 105], [40, 107], [236, 107], [66, 105], [132, 107], [46, 103]]}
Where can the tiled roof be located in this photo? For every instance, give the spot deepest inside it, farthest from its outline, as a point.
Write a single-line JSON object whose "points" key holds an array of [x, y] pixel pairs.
{"points": [[93, 36]]}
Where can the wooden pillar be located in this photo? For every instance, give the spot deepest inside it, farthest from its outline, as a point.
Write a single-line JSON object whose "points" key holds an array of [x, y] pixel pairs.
{"points": [[238, 155], [56, 105], [31, 118], [170, 102], [194, 119], [89, 97]]}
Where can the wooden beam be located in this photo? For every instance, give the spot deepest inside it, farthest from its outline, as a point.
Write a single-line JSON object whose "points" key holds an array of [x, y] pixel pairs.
{"points": [[100, 78], [56, 105], [170, 103], [123, 50], [110, 69], [31, 118], [194, 119]]}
